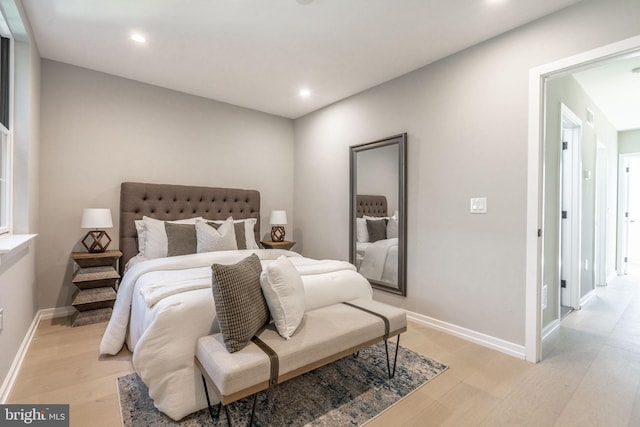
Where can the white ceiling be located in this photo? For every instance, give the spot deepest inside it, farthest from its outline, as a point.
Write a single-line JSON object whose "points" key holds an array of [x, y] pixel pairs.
{"points": [[260, 53], [615, 90]]}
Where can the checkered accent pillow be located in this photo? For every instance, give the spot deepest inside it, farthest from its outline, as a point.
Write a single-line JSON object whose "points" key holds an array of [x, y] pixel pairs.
{"points": [[240, 304]]}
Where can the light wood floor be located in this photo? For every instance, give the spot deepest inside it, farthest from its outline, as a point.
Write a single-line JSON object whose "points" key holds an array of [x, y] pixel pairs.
{"points": [[590, 375]]}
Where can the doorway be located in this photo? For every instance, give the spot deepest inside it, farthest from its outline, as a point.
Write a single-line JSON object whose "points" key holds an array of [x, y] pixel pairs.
{"points": [[536, 204], [629, 260]]}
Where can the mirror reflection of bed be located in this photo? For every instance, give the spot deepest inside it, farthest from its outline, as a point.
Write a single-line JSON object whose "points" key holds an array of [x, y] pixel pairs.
{"points": [[377, 220], [376, 239]]}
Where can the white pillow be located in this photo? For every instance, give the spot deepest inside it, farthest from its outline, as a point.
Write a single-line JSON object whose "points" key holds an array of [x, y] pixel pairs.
{"points": [[392, 228], [249, 225], [362, 234], [153, 242], [283, 289], [209, 239], [141, 235]]}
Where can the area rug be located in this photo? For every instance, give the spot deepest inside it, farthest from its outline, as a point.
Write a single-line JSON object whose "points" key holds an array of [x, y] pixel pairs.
{"points": [[348, 392]]}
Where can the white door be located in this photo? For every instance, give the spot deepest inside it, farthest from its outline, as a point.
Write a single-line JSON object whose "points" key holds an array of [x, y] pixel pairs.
{"points": [[571, 209], [600, 262], [633, 224]]}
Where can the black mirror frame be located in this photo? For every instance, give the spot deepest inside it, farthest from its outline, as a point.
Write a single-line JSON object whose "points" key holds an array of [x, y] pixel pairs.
{"points": [[401, 141]]}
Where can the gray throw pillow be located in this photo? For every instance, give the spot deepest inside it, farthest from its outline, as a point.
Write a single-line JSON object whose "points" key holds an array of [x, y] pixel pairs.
{"points": [[181, 239], [240, 305], [377, 229], [238, 227]]}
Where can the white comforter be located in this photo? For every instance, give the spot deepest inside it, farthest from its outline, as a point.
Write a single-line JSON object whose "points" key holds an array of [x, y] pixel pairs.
{"points": [[165, 305], [380, 261]]}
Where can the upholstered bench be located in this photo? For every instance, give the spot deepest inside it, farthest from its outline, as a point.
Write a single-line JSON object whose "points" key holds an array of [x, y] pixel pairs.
{"points": [[325, 335]]}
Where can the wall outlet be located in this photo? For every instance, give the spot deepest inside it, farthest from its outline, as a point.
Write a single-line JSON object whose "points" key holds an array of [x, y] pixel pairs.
{"points": [[544, 297]]}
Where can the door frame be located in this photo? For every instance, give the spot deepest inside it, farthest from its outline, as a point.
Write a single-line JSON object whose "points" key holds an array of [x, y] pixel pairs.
{"points": [[535, 179]]}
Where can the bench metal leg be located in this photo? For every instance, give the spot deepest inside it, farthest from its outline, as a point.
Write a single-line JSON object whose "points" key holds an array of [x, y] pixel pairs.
{"points": [[253, 409], [395, 358], [226, 410]]}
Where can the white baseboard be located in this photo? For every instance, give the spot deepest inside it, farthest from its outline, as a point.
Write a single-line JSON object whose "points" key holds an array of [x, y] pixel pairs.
{"points": [[484, 340], [551, 329], [10, 379], [51, 313], [585, 299]]}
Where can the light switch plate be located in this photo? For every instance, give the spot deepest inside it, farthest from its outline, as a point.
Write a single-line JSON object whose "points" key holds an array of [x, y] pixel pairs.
{"points": [[478, 205]]}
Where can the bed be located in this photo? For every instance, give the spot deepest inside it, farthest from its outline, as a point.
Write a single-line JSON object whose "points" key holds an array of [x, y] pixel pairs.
{"points": [[377, 252], [165, 304]]}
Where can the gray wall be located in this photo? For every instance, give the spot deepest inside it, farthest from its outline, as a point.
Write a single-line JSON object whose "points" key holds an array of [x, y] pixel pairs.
{"points": [[378, 174], [466, 117], [17, 269], [99, 130], [568, 91], [629, 142]]}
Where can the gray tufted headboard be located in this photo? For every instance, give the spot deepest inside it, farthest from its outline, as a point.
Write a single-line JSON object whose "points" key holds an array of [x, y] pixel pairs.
{"points": [[169, 202], [371, 205]]}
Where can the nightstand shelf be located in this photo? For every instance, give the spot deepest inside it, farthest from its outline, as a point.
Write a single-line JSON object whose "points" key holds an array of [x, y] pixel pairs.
{"points": [[96, 278], [285, 244]]}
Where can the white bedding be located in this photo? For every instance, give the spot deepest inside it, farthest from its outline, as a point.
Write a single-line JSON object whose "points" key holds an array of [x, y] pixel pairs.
{"points": [[379, 260], [164, 305]]}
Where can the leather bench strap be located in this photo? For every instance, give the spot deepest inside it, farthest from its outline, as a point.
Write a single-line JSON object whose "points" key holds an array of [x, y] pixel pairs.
{"points": [[273, 360], [384, 319]]}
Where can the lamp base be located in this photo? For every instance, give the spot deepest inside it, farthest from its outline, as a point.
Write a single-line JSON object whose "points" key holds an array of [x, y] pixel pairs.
{"points": [[93, 241], [277, 233]]}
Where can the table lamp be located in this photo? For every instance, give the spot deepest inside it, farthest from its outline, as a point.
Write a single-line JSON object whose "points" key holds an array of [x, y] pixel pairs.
{"points": [[278, 219], [96, 240]]}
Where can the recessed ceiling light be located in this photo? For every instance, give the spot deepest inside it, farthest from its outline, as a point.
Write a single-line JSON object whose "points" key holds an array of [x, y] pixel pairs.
{"points": [[305, 93], [138, 38]]}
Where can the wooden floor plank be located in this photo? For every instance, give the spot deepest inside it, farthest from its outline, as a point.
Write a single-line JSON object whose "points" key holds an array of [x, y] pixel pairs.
{"points": [[590, 375]]}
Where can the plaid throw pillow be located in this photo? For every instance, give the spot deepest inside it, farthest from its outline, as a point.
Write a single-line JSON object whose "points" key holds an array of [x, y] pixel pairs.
{"points": [[240, 304]]}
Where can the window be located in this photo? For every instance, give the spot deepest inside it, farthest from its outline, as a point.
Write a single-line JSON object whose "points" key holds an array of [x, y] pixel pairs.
{"points": [[5, 135], [5, 187]]}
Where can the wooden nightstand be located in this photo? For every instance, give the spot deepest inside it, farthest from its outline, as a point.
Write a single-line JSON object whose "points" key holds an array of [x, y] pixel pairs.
{"points": [[285, 244], [96, 278]]}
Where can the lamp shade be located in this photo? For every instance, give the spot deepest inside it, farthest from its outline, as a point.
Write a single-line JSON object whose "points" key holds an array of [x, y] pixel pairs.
{"points": [[96, 218], [278, 218]]}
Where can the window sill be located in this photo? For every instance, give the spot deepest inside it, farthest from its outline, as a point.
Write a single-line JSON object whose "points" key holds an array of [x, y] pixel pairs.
{"points": [[12, 242]]}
